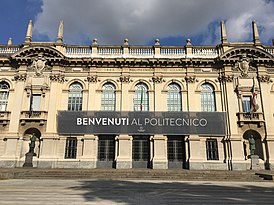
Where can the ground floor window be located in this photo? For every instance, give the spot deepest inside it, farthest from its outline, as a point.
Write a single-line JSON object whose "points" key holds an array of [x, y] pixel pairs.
{"points": [[212, 149], [71, 148]]}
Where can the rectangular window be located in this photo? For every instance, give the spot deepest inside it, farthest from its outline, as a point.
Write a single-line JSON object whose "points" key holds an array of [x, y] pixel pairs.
{"points": [[212, 149], [36, 102], [71, 148], [246, 103]]}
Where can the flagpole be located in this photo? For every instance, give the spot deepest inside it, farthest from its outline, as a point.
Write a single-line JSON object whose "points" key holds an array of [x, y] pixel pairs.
{"points": [[31, 101]]}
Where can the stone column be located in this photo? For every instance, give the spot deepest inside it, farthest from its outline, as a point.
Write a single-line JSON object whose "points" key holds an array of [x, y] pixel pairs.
{"points": [[159, 160], [124, 156], [195, 160], [90, 150]]}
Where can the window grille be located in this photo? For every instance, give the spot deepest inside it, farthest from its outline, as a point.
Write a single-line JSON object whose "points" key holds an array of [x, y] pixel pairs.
{"points": [[174, 98], [175, 149], [140, 149], [212, 149], [71, 148], [106, 148], [108, 100], [4, 94], [75, 97], [207, 98]]}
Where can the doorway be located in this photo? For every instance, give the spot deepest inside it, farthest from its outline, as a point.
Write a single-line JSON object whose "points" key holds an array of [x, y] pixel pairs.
{"points": [[141, 152], [106, 151], [176, 152]]}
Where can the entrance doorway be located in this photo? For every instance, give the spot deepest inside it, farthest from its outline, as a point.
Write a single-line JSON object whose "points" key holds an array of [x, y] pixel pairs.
{"points": [[106, 151], [258, 144], [141, 152], [176, 152]]}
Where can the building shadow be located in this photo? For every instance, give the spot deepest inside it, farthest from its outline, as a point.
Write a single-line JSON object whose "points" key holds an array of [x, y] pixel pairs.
{"points": [[160, 192]]}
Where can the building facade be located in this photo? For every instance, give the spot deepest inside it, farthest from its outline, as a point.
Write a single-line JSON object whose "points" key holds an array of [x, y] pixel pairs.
{"points": [[40, 81]]}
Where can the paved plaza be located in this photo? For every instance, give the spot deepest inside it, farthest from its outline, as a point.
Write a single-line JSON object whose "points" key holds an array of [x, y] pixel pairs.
{"points": [[131, 192]]}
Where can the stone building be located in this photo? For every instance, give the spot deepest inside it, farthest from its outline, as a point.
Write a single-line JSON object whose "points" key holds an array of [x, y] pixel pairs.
{"points": [[199, 104]]}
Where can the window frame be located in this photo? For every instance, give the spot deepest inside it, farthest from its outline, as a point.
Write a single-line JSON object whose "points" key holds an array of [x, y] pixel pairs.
{"points": [[4, 95], [174, 98], [141, 89], [71, 148], [212, 152], [75, 97], [208, 99], [108, 98]]}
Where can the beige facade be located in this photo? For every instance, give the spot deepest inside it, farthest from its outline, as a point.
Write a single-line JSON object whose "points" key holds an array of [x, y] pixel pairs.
{"points": [[41, 74]]}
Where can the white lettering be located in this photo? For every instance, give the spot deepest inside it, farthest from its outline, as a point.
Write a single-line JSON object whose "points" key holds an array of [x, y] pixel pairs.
{"points": [[78, 121]]}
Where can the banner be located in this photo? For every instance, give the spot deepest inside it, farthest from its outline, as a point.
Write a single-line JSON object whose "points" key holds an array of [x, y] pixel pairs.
{"points": [[141, 123]]}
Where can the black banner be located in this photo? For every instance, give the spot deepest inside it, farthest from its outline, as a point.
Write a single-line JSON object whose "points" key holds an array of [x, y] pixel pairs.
{"points": [[141, 123]]}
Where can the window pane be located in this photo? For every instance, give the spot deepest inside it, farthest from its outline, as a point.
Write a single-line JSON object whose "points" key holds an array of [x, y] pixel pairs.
{"points": [[36, 102], [108, 100], [71, 148], [246, 103], [4, 94], [75, 97], [212, 149], [207, 98], [174, 98], [140, 99]]}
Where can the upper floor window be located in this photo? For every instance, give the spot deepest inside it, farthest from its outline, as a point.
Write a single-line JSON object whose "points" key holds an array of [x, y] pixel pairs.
{"points": [[246, 103], [4, 94], [75, 97], [174, 98], [108, 100], [207, 98], [141, 97], [36, 102]]}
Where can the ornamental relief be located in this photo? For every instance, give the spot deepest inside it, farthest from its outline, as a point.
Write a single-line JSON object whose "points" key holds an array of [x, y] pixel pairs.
{"points": [[39, 65], [243, 65]]}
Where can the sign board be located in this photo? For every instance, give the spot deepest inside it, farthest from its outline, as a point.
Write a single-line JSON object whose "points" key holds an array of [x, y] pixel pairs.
{"points": [[141, 123]]}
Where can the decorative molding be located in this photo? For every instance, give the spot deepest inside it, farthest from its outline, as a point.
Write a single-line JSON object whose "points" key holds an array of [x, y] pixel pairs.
{"points": [[226, 78], [158, 79], [44, 89], [191, 79], [92, 79], [20, 77], [264, 79], [124, 79], [57, 77]]}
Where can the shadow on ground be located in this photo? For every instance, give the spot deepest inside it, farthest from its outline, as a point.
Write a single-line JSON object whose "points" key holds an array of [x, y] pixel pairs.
{"points": [[155, 192]]}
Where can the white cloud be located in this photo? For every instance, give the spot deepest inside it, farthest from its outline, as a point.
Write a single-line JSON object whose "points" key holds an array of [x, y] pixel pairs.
{"points": [[110, 21]]}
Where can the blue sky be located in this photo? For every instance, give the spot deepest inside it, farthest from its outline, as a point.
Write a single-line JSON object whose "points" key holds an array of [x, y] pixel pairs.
{"points": [[141, 21]]}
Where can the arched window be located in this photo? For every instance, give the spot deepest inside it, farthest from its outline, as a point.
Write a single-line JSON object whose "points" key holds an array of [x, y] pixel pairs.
{"points": [[174, 98], [108, 101], [4, 95], [141, 97], [207, 98], [75, 97]]}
